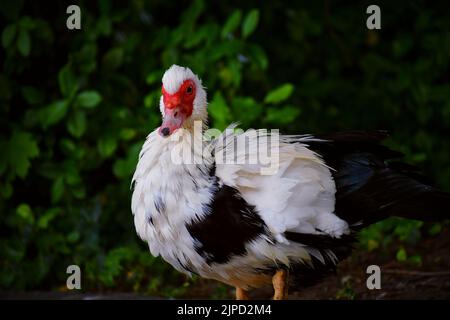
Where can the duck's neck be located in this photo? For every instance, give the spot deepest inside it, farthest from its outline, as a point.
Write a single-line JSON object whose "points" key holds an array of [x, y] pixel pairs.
{"points": [[188, 146]]}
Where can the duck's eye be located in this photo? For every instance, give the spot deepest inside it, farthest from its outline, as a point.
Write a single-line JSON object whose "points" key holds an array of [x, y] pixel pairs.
{"points": [[189, 90]]}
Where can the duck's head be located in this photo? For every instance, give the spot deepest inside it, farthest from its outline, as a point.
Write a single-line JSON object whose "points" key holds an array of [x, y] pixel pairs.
{"points": [[183, 100]]}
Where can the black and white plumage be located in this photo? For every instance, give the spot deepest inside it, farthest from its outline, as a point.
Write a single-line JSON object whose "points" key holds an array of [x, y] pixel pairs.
{"points": [[231, 223]]}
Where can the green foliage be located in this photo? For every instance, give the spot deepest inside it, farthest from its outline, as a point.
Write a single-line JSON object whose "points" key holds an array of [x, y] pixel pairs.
{"points": [[68, 83], [219, 111], [402, 256], [76, 106], [346, 292], [384, 233], [8, 35], [250, 23], [221, 291], [232, 23], [88, 99], [279, 94], [24, 43]]}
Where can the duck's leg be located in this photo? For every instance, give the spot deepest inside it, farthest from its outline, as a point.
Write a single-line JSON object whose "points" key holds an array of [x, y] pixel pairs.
{"points": [[241, 294], [280, 283]]}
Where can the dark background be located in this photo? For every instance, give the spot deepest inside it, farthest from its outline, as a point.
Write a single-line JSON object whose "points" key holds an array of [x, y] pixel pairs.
{"points": [[76, 106]]}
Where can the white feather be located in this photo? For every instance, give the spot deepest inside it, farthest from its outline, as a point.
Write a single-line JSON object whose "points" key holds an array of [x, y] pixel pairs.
{"points": [[298, 196]]}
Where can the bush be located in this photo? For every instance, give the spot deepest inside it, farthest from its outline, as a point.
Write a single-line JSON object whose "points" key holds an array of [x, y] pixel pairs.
{"points": [[76, 107]]}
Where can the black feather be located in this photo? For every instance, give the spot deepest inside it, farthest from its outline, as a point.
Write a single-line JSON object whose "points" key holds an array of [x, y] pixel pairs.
{"points": [[229, 225], [305, 274], [159, 204], [372, 185]]}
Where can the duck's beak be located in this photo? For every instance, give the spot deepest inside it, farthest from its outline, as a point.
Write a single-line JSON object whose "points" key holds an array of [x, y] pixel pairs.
{"points": [[173, 120]]}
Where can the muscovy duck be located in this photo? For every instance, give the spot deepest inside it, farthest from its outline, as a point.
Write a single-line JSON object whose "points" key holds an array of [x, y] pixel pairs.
{"points": [[243, 224]]}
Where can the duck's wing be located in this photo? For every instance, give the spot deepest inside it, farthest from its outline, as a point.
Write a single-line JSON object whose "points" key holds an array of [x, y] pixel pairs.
{"points": [[290, 186]]}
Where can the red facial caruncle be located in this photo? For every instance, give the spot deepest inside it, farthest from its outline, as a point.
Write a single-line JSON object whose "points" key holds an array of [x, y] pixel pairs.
{"points": [[177, 107]]}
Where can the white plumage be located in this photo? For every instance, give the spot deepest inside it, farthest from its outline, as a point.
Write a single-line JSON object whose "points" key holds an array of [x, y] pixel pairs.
{"points": [[297, 197]]}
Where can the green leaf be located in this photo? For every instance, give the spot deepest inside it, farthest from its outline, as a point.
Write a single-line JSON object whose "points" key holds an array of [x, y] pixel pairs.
{"points": [[435, 229], [124, 168], [6, 190], [53, 113], [250, 23], [279, 94], [47, 217], [282, 116], [57, 189], [401, 255], [248, 109], [107, 146], [149, 100], [77, 124], [68, 146], [24, 211], [113, 58], [8, 35], [197, 37], [408, 230], [225, 49], [219, 111], [88, 99], [415, 259], [235, 72], [21, 148], [72, 177], [85, 59], [153, 77], [74, 236], [32, 95], [27, 23], [113, 262], [79, 192], [68, 84], [193, 12], [372, 245], [24, 43], [127, 133], [104, 26], [105, 6], [232, 23], [258, 55]]}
